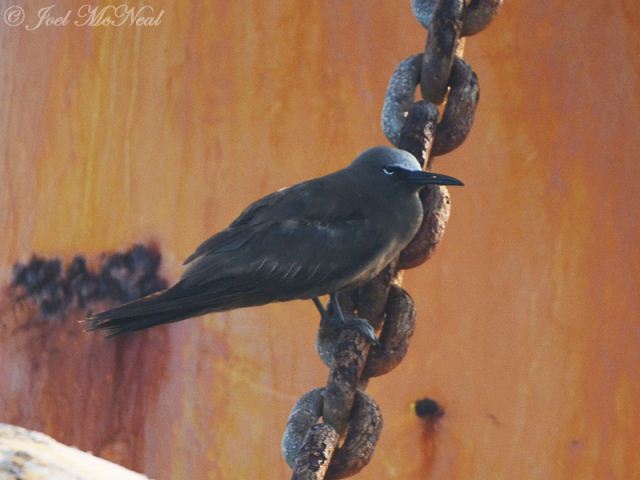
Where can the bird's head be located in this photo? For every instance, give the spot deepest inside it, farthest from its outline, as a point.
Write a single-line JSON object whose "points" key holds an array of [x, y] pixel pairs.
{"points": [[397, 168]]}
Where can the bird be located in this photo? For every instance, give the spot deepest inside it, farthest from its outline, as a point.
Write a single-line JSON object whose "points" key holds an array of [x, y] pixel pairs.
{"points": [[319, 237]]}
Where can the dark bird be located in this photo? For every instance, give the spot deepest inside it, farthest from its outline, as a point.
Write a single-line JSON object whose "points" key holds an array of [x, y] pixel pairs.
{"points": [[318, 237]]}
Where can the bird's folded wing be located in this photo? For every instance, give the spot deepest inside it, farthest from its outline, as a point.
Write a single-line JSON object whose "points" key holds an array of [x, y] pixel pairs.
{"points": [[313, 201], [275, 207], [290, 256]]}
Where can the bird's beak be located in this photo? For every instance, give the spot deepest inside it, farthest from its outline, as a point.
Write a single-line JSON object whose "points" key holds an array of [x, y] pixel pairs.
{"points": [[418, 177]]}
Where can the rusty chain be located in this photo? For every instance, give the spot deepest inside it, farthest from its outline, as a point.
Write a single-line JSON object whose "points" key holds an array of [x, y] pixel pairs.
{"points": [[311, 448]]}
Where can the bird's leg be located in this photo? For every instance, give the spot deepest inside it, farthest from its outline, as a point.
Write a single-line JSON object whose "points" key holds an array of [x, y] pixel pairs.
{"points": [[337, 319], [338, 310], [320, 307], [330, 316], [358, 324]]}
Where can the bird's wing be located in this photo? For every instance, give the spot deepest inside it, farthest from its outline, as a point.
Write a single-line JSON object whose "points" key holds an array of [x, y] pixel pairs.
{"points": [[296, 202], [269, 206], [236, 235], [283, 260]]}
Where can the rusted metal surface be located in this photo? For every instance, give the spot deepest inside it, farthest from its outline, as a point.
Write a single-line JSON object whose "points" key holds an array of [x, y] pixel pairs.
{"points": [[344, 376], [444, 31], [57, 381], [436, 202], [398, 329], [360, 443], [459, 112], [303, 416], [308, 446], [418, 131], [312, 460], [477, 15], [400, 97]]}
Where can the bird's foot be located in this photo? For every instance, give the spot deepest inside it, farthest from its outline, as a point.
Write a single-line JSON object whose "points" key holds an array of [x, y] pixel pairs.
{"points": [[363, 327], [336, 318]]}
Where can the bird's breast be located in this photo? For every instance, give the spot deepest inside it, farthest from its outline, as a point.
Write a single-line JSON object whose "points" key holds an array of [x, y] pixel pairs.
{"points": [[391, 231]]}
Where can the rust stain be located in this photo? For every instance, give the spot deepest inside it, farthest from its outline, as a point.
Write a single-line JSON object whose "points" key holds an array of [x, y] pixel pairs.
{"points": [[83, 390]]}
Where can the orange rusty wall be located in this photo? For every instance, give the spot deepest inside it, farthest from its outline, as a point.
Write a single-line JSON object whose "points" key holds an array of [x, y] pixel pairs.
{"points": [[528, 328]]}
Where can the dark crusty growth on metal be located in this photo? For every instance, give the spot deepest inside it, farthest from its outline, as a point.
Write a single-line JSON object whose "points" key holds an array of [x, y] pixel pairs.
{"points": [[117, 277]]}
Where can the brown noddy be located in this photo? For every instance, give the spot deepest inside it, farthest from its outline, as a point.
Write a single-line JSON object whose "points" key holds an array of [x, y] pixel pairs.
{"points": [[314, 238]]}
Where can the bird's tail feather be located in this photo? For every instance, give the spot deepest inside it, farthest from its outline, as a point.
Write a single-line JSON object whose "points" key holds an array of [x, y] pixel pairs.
{"points": [[161, 307]]}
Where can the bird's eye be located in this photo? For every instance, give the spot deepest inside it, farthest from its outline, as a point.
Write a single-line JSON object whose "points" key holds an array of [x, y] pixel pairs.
{"points": [[389, 170]]}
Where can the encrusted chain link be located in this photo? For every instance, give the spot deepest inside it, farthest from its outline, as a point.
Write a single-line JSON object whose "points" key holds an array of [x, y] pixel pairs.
{"points": [[309, 447]]}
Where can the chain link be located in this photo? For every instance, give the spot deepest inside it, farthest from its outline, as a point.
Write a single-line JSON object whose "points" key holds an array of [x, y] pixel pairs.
{"points": [[311, 448]]}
